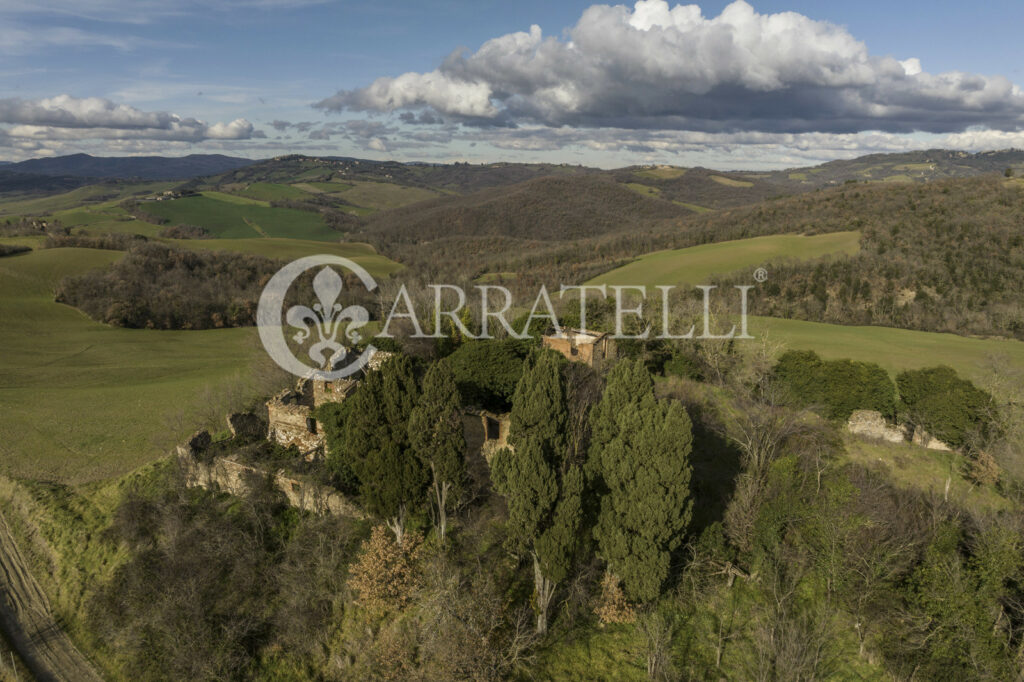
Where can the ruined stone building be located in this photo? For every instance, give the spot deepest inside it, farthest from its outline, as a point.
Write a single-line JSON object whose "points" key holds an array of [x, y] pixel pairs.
{"points": [[580, 345], [290, 413], [290, 419], [485, 432]]}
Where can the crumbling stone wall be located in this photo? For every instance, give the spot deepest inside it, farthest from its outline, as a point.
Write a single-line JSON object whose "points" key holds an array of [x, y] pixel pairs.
{"points": [[926, 440], [485, 432], [871, 424], [591, 348], [227, 475], [332, 391], [291, 423]]}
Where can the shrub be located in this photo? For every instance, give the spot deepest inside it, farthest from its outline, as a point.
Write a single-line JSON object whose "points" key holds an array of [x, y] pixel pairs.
{"points": [[185, 232], [387, 576], [948, 407], [11, 249], [486, 372], [837, 387]]}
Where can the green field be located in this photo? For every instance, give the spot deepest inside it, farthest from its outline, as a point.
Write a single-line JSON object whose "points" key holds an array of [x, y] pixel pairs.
{"points": [[697, 264], [290, 249], [661, 173], [693, 207], [729, 182], [326, 187], [271, 191], [893, 349], [646, 190], [83, 401], [381, 196], [78, 197], [240, 218]]}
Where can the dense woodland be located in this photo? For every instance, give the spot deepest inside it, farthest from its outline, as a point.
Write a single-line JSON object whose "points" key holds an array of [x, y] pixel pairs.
{"points": [[946, 257], [160, 287], [713, 529]]}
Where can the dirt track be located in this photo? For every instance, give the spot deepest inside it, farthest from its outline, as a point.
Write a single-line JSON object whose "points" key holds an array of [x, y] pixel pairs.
{"points": [[27, 622]]}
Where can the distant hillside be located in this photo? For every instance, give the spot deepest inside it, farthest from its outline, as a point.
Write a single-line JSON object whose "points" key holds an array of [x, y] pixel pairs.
{"points": [[130, 167], [460, 178], [923, 166], [551, 208], [28, 183], [946, 256]]}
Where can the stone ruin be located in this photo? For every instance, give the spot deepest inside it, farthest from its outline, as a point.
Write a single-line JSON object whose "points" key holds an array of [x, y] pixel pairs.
{"points": [[871, 424], [485, 432], [579, 345], [290, 422], [225, 474], [290, 413]]}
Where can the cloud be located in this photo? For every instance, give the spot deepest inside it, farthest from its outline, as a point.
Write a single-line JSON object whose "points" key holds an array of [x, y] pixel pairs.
{"points": [[656, 67], [15, 40], [71, 118], [143, 11]]}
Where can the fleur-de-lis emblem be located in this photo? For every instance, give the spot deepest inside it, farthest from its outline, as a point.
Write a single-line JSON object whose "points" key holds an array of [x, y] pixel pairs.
{"points": [[326, 318]]}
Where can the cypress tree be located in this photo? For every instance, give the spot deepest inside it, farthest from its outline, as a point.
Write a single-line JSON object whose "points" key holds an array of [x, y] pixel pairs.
{"points": [[642, 459], [544, 490], [437, 439], [374, 438]]}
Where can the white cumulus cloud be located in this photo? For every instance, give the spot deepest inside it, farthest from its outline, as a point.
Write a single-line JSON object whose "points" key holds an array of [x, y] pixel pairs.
{"points": [[654, 66]]}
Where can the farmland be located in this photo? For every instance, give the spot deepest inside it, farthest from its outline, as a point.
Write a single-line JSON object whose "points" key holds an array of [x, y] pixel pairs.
{"points": [[241, 219], [83, 401], [698, 264]]}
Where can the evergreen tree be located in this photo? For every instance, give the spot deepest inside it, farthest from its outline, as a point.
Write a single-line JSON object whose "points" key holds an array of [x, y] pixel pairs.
{"points": [[374, 438], [436, 437], [641, 453], [544, 490]]}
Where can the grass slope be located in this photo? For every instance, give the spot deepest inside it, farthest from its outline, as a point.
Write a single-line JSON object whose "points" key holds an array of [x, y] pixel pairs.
{"points": [[697, 264], [380, 196], [78, 197], [271, 191], [893, 349], [82, 401], [241, 218]]}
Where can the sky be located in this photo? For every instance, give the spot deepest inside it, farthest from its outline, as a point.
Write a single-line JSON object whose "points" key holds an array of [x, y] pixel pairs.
{"points": [[728, 85]]}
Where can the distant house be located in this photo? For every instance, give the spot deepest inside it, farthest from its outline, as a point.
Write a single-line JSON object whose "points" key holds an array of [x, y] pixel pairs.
{"points": [[580, 345]]}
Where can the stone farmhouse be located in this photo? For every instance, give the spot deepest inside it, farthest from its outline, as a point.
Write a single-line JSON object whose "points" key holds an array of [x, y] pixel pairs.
{"points": [[579, 345]]}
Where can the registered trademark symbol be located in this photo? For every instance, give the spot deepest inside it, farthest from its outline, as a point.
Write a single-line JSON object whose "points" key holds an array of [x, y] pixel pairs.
{"points": [[760, 275]]}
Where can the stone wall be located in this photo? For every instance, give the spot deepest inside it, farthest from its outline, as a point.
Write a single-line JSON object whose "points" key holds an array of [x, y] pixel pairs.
{"points": [[332, 391], [485, 432], [871, 424], [227, 475], [291, 424], [594, 351], [926, 440]]}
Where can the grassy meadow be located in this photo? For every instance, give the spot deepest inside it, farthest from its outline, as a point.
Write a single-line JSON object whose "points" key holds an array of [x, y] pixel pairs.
{"points": [[84, 401], [697, 264], [893, 349], [241, 217]]}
